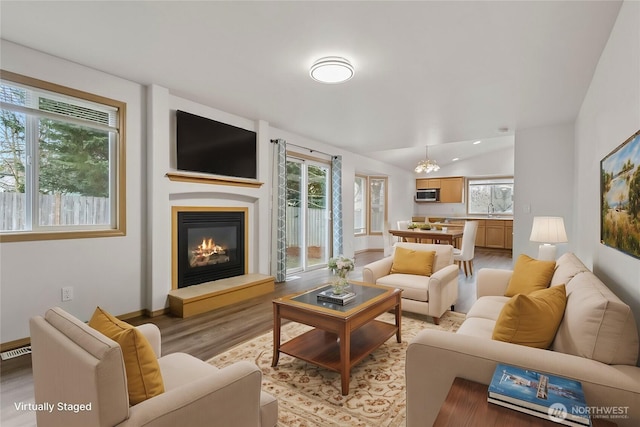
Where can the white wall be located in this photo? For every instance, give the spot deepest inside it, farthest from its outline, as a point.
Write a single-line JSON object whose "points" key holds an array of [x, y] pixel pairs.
{"points": [[131, 273], [109, 271], [543, 184], [609, 115]]}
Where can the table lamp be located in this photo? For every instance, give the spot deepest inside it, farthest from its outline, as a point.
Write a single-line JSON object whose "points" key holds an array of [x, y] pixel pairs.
{"points": [[548, 230]]}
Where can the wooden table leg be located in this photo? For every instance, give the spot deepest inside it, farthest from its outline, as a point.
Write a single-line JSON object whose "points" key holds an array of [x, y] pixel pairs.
{"points": [[345, 359], [398, 312], [276, 334]]}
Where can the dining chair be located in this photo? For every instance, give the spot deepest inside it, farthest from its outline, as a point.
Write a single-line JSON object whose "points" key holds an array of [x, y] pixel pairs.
{"points": [[465, 254], [404, 225]]}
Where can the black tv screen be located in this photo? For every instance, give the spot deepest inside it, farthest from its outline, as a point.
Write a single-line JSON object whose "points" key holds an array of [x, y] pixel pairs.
{"points": [[205, 145]]}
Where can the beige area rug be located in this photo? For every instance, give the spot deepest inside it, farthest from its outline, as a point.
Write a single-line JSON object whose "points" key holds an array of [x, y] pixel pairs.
{"points": [[310, 396]]}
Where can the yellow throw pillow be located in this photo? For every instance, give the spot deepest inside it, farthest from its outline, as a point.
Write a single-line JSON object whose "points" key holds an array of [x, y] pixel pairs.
{"points": [[529, 275], [409, 261], [144, 379], [533, 319]]}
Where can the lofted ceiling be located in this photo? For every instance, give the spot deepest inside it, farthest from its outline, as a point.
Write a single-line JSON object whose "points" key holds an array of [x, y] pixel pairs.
{"points": [[426, 72]]}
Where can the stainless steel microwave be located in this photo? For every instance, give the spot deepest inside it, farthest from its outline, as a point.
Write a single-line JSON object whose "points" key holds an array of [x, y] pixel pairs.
{"points": [[428, 195]]}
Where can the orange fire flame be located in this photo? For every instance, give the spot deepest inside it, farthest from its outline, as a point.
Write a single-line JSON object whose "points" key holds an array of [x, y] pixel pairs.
{"points": [[208, 248]]}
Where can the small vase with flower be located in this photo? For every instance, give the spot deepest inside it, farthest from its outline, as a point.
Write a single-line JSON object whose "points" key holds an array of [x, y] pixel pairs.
{"points": [[340, 266]]}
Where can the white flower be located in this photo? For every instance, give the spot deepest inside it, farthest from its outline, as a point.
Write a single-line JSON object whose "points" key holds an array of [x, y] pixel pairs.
{"points": [[341, 264]]}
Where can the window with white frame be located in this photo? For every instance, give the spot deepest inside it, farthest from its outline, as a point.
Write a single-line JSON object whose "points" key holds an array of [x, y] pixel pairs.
{"points": [[377, 204], [490, 196], [61, 162], [360, 205], [370, 204]]}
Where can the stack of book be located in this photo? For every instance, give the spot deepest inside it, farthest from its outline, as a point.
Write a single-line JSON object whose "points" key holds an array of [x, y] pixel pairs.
{"points": [[341, 299], [546, 396]]}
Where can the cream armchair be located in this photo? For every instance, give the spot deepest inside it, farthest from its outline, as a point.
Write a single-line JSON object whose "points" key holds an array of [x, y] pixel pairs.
{"points": [[73, 364], [429, 295]]}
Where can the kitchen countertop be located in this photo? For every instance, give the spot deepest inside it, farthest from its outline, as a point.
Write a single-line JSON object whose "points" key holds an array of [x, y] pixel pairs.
{"points": [[465, 218], [504, 218]]}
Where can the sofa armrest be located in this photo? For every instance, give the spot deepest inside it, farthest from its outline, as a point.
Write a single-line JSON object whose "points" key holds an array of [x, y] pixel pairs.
{"points": [[230, 396], [492, 281], [435, 358], [152, 333], [377, 269]]}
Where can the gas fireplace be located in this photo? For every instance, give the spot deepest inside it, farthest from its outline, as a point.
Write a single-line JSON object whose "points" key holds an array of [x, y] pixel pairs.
{"points": [[209, 244]]}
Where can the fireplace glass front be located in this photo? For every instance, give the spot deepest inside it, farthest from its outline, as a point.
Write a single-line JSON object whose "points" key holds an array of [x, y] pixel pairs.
{"points": [[210, 246]]}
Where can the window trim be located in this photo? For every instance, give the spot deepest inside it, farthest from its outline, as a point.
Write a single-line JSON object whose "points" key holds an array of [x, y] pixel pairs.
{"points": [[365, 229], [121, 184]]}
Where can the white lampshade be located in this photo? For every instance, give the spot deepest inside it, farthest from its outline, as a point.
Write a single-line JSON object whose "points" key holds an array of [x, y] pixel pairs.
{"points": [[548, 230]]}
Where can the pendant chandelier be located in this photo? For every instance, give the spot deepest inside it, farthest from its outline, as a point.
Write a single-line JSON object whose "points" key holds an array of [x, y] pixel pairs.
{"points": [[427, 165]]}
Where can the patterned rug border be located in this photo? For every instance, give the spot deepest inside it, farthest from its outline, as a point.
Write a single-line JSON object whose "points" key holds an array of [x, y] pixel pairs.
{"points": [[310, 396]]}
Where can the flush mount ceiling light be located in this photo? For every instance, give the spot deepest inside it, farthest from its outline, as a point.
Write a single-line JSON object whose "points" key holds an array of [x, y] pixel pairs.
{"points": [[331, 69], [427, 165]]}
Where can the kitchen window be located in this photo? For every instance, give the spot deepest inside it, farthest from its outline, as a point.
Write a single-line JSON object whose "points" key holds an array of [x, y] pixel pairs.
{"points": [[62, 165], [490, 196]]}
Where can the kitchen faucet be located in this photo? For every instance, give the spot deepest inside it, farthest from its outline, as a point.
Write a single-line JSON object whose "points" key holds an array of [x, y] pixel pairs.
{"points": [[490, 210]]}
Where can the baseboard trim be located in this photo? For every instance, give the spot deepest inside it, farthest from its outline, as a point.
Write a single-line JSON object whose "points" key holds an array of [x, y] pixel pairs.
{"points": [[11, 345], [364, 251], [156, 313]]}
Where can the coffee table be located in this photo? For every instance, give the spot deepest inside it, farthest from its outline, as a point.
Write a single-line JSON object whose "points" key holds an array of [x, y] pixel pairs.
{"points": [[342, 335]]}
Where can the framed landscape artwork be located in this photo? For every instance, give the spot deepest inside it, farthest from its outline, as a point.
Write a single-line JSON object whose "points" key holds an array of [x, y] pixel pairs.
{"points": [[620, 197]]}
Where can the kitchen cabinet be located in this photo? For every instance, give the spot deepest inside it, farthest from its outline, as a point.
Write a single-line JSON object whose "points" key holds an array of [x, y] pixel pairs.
{"points": [[426, 183], [481, 233], [494, 234], [451, 190]]}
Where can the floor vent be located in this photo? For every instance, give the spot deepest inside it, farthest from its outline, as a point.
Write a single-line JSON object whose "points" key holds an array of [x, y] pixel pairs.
{"points": [[15, 353]]}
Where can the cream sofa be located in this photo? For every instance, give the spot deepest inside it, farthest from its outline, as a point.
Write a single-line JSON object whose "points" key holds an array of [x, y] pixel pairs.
{"points": [[74, 364], [596, 343], [429, 295]]}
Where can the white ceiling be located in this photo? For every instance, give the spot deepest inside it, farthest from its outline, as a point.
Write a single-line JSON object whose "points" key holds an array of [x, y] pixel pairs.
{"points": [[427, 72]]}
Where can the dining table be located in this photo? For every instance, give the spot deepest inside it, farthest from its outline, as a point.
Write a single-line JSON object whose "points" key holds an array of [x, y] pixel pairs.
{"points": [[449, 237]]}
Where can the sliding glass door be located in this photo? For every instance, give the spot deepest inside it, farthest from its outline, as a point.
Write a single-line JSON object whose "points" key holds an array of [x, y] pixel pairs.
{"points": [[308, 214]]}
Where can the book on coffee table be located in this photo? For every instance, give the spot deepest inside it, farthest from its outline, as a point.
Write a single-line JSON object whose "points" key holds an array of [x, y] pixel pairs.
{"points": [[342, 299], [544, 395]]}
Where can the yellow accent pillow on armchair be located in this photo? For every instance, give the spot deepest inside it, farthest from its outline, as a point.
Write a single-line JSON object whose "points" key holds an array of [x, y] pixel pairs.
{"points": [[144, 379], [533, 319], [409, 261]]}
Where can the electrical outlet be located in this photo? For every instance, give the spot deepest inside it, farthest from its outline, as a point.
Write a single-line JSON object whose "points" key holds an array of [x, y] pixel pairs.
{"points": [[67, 293]]}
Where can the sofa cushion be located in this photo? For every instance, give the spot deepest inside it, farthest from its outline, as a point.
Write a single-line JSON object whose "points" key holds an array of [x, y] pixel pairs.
{"points": [[597, 324], [487, 307], [567, 266], [410, 261], [413, 287], [144, 379], [477, 327], [533, 319], [529, 275]]}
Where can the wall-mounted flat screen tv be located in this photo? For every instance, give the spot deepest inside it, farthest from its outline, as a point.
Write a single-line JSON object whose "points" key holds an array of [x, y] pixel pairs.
{"points": [[205, 145]]}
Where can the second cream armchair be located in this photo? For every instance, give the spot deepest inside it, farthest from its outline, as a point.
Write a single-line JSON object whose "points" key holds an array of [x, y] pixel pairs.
{"points": [[429, 295]]}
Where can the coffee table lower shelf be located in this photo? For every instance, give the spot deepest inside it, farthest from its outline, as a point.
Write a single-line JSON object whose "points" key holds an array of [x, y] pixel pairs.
{"points": [[322, 348]]}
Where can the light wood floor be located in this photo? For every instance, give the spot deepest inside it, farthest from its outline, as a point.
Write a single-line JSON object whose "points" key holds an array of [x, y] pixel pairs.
{"points": [[209, 334]]}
